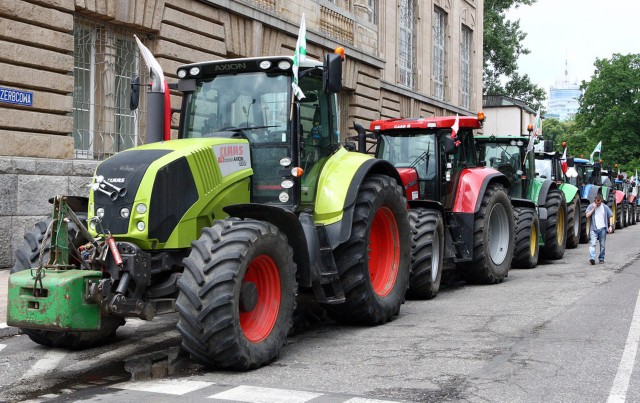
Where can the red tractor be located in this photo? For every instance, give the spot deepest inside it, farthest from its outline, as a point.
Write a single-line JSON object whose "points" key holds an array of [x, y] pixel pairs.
{"points": [[460, 211]]}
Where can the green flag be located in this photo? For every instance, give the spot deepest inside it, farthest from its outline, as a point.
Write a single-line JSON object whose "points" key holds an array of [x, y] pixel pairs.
{"points": [[300, 55], [598, 150]]}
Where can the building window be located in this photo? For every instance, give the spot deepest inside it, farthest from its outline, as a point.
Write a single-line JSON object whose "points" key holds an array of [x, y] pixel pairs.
{"points": [[105, 59], [465, 68], [439, 53], [406, 52], [373, 11]]}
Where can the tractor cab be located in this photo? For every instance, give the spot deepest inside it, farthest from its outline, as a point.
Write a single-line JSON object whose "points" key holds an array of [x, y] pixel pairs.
{"points": [[426, 156], [252, 99], [508, 155]]}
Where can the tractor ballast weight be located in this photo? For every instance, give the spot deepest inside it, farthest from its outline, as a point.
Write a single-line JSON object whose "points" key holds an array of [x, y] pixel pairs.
{"points": [[254, 205]]}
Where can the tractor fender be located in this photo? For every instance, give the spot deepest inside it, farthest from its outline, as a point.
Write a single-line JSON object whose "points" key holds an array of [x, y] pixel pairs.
{"points": [[300, 232], [426, 204], [338, 188], [471, 186], [544, 190], [619, 195], [593, 192], [569, 191], [517, 202], [631, 198]]}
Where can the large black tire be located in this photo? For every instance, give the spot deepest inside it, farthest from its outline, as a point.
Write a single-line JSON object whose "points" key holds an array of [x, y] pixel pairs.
{"points": [[237, 295], [584, 233], [619, 216], [427, 253], [626, 213], [374, 263], [492, 238], [555, 240], [527, 231], [611, 202], [574, 223], [27, 256], [633, 214]]}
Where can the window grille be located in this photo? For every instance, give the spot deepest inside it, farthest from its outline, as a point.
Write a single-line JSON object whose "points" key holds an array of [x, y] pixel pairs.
{"points": [[406, 48], [439, 53], [465, 68], [105, 60]]}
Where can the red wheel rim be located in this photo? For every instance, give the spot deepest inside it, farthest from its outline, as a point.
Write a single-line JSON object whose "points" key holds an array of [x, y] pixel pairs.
{"points": [[258, 323], [384, 251]]}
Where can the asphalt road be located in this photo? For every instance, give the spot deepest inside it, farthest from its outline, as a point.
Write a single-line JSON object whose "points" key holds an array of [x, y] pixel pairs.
{"points": [[564, 331]]}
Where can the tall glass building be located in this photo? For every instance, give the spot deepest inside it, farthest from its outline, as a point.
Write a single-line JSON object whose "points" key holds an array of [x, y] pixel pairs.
{"points": [[563, 99]]}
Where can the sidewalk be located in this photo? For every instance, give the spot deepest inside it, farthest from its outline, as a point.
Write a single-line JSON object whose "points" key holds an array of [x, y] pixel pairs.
{"points": [[5, 331]]}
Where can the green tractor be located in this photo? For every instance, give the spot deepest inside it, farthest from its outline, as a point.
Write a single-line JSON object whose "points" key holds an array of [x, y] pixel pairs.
{"points": [[255, 207], [540, 232]]}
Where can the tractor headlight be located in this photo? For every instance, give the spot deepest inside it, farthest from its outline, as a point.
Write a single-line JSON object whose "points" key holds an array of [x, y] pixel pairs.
{"points": [[124, 212], [140, 226], [100, 212], [182, 73], [141, 208], [194, 71]]}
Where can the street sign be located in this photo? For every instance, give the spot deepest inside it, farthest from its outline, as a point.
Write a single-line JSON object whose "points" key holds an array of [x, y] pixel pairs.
{"points": [[11, 96]]}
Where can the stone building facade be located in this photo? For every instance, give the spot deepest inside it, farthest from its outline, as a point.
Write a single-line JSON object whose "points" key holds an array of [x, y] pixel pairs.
{"points": [[67, 64]]}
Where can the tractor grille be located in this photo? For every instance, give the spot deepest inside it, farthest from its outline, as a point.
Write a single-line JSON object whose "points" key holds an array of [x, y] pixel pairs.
{"points": [[205, 162], [124, 170], [174, 192]]}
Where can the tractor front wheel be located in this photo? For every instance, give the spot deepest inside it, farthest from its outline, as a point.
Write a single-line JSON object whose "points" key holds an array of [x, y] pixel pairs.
{"points": [[527, 230], [237, 295], [427, 253], [585, 223], [493, 232], [574, 223], [555, 241], [27, 257], [374, 262]]}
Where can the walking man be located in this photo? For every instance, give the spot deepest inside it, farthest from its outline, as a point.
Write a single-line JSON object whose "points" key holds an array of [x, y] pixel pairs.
{"points": [[601, 218]]}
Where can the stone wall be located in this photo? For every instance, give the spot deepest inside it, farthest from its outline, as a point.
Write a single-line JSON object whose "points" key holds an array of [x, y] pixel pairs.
{"points": [[26, 185]]}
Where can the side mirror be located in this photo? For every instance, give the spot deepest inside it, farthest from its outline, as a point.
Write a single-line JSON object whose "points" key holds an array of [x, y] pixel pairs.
{"points": [[449, 145], [332, 76], [548, 146], [362, 137], [134, 100], [570, 162]]}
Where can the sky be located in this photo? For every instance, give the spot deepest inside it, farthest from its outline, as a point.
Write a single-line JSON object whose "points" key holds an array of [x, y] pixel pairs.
{"points": [[575, 31]]}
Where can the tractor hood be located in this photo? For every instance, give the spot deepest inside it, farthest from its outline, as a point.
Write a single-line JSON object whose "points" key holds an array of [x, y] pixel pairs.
{"points": [[142, 194]]}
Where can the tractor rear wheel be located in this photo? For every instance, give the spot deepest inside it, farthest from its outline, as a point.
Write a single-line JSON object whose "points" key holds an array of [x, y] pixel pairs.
{"points": [[626, 220], [237, 295], [527, 230], [492, 238], [632, 212], [555, 240], [427, 253], [374, 262], [585, 223], [27, 256], [574, 223]]}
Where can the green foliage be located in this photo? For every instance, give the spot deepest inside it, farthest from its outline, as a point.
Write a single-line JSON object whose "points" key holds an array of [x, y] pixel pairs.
{"points": [[610, 107], [502, 45]]}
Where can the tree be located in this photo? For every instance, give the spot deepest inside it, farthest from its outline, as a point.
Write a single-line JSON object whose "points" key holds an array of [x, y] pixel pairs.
{"points": [[610, 107], [502, 46]]}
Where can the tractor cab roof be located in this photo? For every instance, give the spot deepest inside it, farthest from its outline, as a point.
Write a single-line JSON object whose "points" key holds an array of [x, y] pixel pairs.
{"points": [[439, 122], [582, 161], [270, 64]]}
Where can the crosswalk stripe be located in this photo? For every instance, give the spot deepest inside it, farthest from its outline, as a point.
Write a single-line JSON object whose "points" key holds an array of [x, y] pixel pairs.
{"points": [[2, 346], [166, 386], [3, 325], [365, 400], [47, 363], [265, 395]]}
